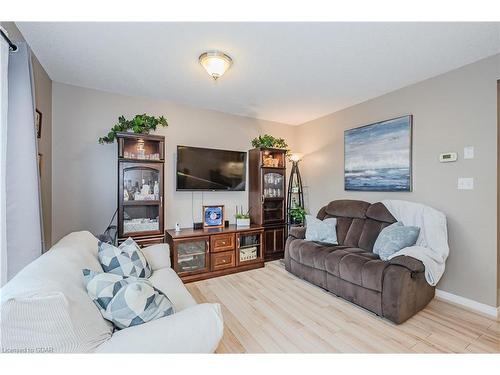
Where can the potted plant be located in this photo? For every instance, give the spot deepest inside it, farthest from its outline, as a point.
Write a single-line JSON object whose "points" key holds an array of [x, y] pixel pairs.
{"points": [[268, 141], [242, 220], [297, 215], [141, 124]]}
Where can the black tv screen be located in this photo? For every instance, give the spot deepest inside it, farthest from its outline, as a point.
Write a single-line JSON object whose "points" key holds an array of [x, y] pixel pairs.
{"points": [[210, 169]]}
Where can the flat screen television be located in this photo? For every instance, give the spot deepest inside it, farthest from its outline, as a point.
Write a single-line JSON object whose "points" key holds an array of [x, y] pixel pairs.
{"points": [[210, 169]]}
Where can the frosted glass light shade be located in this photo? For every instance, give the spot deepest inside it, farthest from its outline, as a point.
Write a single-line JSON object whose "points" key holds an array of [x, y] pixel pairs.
{"points": [[296, 157], [215, 63]]}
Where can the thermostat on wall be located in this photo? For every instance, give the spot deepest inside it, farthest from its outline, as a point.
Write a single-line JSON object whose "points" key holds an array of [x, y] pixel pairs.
{"points": [[448, 157]]}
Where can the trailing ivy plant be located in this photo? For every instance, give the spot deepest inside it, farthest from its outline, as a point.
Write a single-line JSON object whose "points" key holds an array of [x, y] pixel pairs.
{"points": [[141, 124], [268, 141]]}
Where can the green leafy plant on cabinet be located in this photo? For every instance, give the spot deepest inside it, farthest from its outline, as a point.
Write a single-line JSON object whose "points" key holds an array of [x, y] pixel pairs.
{"points": [[140, 124], [268, 141]]}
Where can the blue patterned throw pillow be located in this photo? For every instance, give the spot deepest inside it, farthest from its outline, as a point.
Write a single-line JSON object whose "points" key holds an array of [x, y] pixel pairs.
{"points": [[126, 301], [124, 260], [394, 238]]}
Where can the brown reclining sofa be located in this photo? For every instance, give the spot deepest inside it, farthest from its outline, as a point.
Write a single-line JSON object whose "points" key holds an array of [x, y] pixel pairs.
{"points": [[394, 289]]}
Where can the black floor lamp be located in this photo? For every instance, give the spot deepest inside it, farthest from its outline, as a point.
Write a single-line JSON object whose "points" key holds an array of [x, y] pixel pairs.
{"points": [[295, 201]]}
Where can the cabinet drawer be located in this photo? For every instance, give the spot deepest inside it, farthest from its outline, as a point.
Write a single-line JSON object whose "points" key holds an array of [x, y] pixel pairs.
{"points": [[222, 242], [222, 260]]}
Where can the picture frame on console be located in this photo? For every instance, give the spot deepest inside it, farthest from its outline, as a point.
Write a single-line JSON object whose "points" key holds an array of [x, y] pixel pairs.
{"points": [[213, 216]]}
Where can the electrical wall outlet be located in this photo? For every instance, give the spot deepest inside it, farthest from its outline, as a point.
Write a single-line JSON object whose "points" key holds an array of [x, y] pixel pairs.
{"points": [[465, 183]]}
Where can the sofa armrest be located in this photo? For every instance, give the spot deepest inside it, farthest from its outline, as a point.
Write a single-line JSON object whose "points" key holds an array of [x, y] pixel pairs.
{"points": [[297, 232], [197, 329], [405, 290], [412, 264], [158, 256]]}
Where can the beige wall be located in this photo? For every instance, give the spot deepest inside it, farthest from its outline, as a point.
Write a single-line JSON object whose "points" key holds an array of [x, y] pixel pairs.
{"points": [[43, 98], [85, 173], [450, 111]]}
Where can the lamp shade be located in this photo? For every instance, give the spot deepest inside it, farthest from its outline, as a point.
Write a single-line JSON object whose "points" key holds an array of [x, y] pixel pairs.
{"points": [[296, 157], [215, 63]]}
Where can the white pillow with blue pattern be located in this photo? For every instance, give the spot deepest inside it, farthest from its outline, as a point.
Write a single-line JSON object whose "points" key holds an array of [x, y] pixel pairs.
{"points": [[393, 238], [124, 260], [126, 301]]}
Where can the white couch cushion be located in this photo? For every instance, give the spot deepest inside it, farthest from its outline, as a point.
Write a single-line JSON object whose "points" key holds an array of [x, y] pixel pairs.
{"points": [[197, 329], [158, 256], [170, 284], [49, 295]]}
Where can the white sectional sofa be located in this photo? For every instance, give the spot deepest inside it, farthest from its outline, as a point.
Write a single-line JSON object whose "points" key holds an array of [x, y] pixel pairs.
{"points": [[45, 308]]}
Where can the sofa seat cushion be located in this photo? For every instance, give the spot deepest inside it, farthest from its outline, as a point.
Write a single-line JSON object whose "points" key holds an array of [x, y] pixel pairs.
{"points": [[358, 267], [312, 254], [167, 281]]}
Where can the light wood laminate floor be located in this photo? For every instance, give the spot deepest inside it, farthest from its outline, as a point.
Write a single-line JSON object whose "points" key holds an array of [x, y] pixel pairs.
{"points": [[269, 310]]}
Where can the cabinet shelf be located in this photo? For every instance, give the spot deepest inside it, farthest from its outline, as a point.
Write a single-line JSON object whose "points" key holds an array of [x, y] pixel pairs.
{"points": [[141, 203], [279, 168], [134, 160], [190, 255], [249, 246]]}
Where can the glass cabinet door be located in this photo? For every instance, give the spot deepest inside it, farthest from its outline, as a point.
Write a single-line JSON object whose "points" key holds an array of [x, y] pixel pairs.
{"points": [[141, 184], [273, 211], [249, 247], [141, 218], [192, 255], [273, 185], [141, 199]]}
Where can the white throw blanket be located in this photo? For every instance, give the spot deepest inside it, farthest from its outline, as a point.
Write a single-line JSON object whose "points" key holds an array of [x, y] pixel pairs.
{"points": [[432, 243]]}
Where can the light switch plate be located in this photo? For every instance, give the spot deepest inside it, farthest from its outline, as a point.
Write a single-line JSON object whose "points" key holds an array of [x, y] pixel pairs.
{"points": [[465, 183], [469, 152]]}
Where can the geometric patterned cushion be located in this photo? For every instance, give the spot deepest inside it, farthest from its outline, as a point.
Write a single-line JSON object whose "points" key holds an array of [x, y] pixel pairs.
{"points": [[124, 260], [126, 301]]}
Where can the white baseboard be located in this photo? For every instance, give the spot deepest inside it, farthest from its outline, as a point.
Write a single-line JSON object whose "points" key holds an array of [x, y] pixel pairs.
{"points": [[468, 303]]}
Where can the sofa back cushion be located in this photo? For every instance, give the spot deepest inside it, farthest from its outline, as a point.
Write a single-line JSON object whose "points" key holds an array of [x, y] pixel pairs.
{"points": [[358, 223], [46, 304]]}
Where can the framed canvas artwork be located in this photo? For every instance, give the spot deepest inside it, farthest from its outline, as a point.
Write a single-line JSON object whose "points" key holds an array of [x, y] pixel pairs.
{"points": [[213, 216], [377, 157]]}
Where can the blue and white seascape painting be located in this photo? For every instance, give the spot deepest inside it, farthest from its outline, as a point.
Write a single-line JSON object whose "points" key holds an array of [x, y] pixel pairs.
{"points": [[378, 156]]}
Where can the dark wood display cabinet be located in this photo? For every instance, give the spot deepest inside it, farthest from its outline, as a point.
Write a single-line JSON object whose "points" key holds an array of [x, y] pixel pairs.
{"points": [[199, 254], [267, 175], [141, 188]]}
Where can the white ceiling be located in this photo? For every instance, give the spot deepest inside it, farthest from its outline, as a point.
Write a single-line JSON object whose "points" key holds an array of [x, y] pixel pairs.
{"points": [[286, 72]]}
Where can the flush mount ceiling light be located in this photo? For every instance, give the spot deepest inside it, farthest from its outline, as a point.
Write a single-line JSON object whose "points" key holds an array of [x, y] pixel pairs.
{"points": [[215, 63]]}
